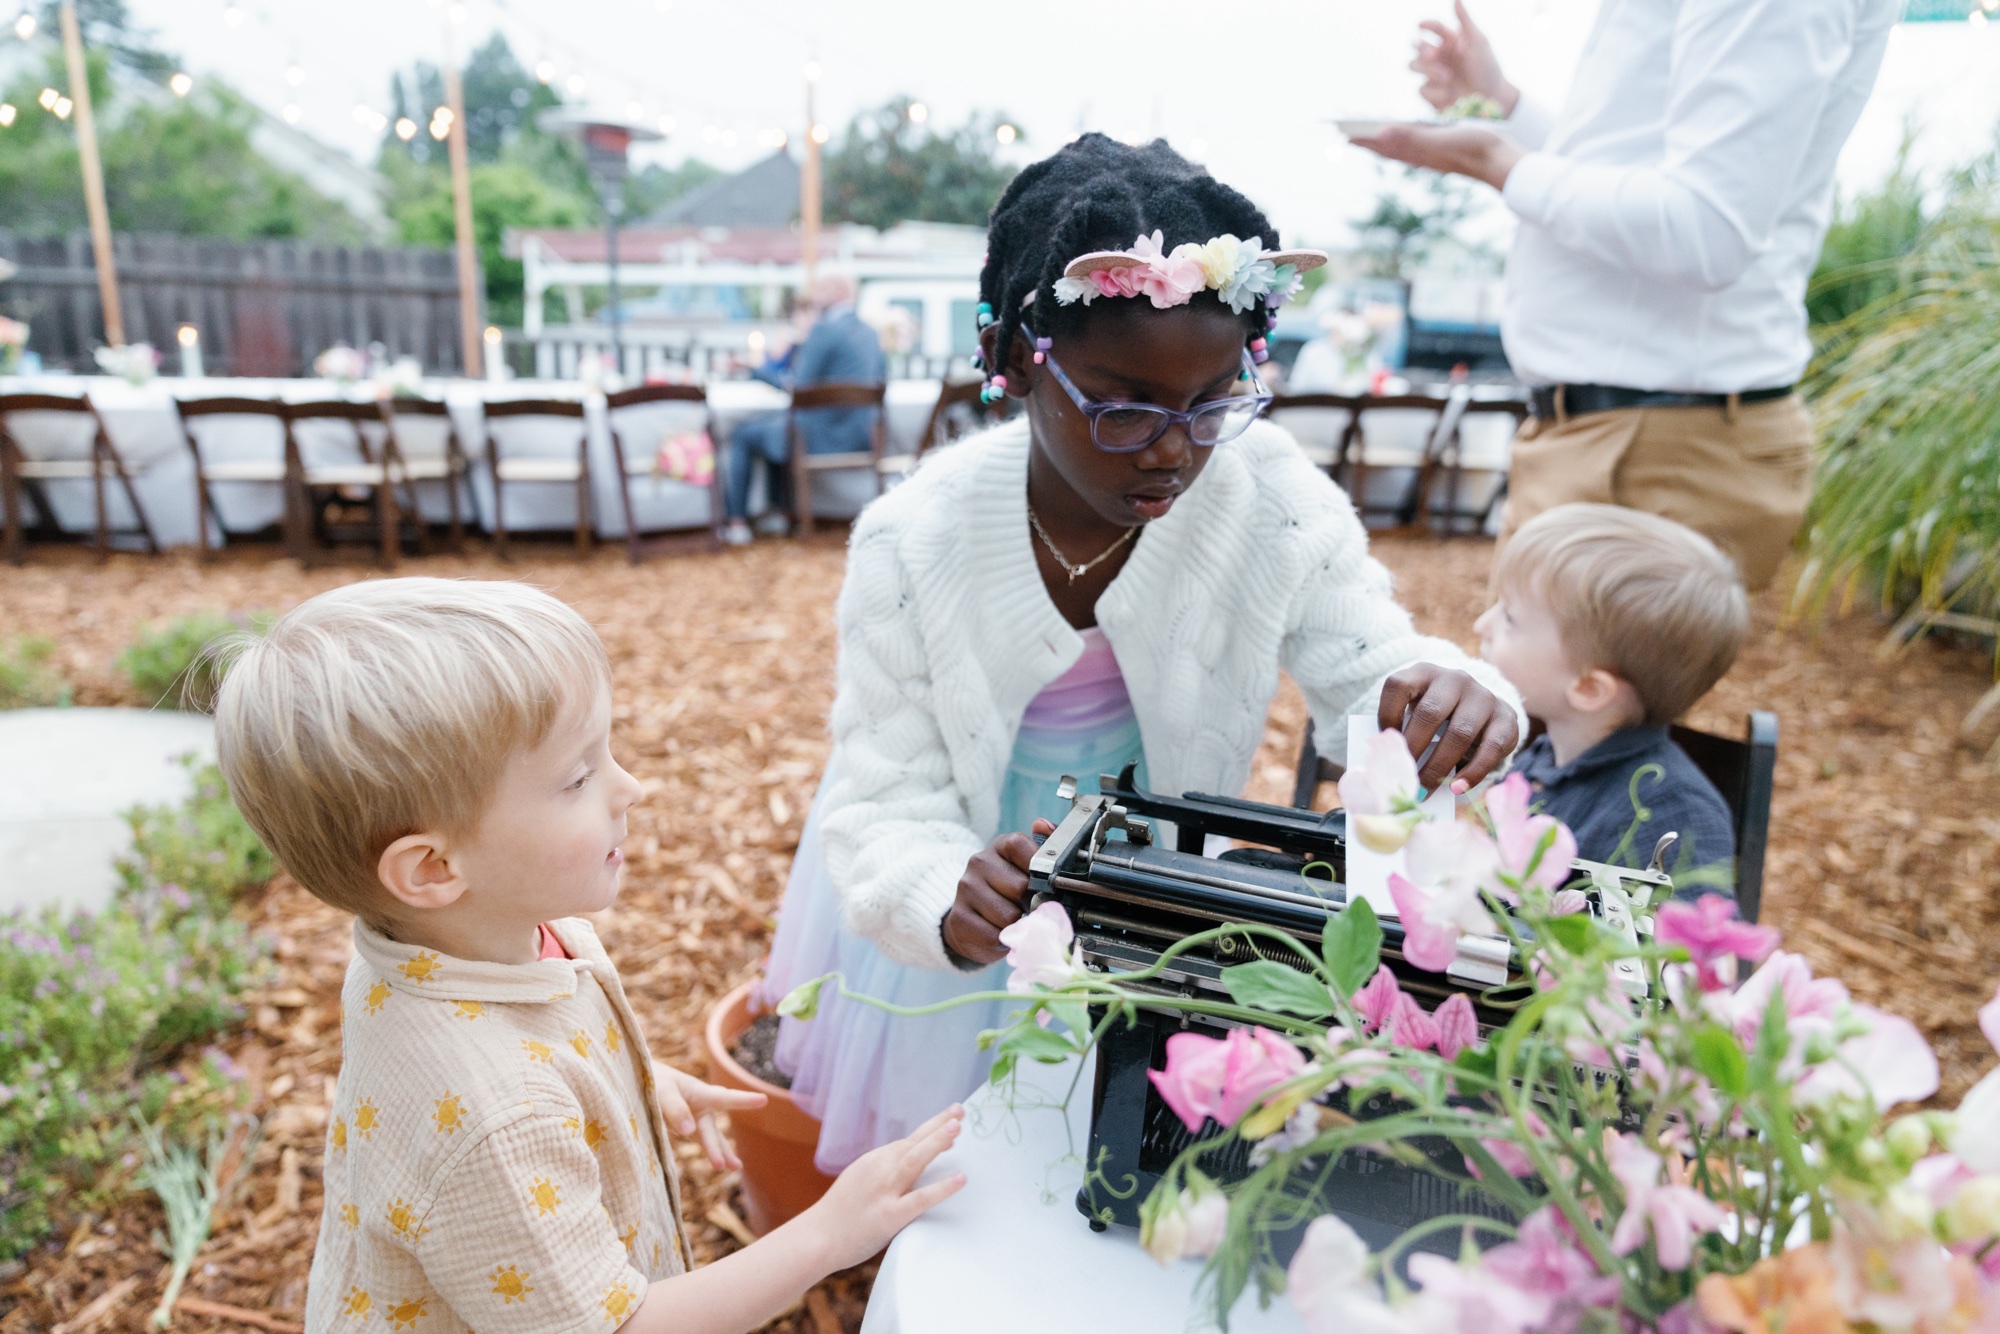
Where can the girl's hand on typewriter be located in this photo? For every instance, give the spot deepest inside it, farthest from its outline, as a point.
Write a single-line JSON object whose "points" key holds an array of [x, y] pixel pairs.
{"points": [[1474, 728], [990, 896]]}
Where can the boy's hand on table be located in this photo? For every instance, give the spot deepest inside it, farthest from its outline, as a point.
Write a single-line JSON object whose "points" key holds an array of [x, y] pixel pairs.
{"points": [[877, 1195], [991, 895], [1474, 728], [690, 1106]]}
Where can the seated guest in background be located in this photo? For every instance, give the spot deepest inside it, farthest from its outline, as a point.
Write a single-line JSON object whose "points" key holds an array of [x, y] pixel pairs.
{"points": [[1612, 623], [839, 349]]}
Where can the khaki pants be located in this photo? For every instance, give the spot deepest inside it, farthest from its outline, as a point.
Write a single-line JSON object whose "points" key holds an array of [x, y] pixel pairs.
{"points": [[1740, 477]]}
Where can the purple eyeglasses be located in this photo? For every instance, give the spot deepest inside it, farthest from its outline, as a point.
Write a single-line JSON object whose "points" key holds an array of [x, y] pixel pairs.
{"points": [[1127, 428]]}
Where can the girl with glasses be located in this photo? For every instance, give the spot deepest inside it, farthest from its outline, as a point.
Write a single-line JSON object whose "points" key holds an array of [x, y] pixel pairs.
{"points": [[1116, 574]]}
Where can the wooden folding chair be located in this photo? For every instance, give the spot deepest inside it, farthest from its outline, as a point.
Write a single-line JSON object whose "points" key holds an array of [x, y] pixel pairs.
{"points": [[544, 468], [804, 465], [273, 462], [23, 471], [1448, 459], [1352, 462], [356, 461], [640, 463], [1327, 454], [417, 462]]}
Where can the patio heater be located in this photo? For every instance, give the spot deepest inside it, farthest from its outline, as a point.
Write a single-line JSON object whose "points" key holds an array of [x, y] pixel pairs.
{"points": [[605, 143]]}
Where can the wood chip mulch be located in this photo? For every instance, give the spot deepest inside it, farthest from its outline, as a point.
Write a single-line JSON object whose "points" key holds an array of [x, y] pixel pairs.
{"points": [[1884, 859]]}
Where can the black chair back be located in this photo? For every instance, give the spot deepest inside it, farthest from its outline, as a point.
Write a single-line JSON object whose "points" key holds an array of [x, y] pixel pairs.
{"points": [[1744, 772]]}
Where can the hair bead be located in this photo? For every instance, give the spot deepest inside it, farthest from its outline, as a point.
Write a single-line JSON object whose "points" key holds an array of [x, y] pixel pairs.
{"points": [[1257, 344], [1042, 346]]}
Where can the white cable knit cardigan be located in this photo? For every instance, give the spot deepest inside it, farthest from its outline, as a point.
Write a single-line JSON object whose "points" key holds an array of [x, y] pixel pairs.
{"points": [[946, 634]]}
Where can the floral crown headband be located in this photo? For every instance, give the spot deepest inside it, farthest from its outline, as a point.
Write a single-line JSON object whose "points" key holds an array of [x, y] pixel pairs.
{"points": [[1242, 273]]}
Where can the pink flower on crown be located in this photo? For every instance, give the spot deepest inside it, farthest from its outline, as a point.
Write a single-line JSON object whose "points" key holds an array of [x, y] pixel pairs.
{"points": [[1118, 282], [1168, 279]]}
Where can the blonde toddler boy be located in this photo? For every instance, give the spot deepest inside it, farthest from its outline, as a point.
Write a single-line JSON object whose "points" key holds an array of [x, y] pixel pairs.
{"points": [[1611, 623], [434, 756]]}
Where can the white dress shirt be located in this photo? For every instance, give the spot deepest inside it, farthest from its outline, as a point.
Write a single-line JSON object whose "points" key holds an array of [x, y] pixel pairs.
{"points": [[1672, 211]]}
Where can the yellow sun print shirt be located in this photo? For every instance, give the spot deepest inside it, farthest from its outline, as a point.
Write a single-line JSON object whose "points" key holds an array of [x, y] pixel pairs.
{"points": [[497, 1159]]}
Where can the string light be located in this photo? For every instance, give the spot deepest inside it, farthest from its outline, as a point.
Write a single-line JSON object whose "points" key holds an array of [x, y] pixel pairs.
{"points": [[370, 117], [24, 26], [62, 108], [635, 110], [406, 129], [456, 13], [919, 113], [295, 76], [7, 114], [813, 71], [48, 98], [1006, 134], [232, 15], [666, 125], [292, 113], [574, 85], [820, 134], [181, 84], [545, 70]]}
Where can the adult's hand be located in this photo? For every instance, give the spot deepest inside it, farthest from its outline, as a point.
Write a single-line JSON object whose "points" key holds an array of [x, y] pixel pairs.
{"points": [[1461, 63], [1474, 728], [991, 894], [1462, 149]]}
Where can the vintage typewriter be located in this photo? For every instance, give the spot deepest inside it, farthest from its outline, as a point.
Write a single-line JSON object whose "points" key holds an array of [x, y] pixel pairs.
{"points": [[1131, 897]]}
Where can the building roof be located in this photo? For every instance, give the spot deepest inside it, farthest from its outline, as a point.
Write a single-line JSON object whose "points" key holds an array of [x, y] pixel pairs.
{"points": [[763, 194]]}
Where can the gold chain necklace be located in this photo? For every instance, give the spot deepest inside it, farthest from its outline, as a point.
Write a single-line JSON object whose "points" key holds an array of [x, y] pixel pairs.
{"points": [[1076, 571]]}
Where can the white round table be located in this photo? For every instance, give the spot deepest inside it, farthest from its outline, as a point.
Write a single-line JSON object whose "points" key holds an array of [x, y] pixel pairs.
{"points": [[1010, 1253]]}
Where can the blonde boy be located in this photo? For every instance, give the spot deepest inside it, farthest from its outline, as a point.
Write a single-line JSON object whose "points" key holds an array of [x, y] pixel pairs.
{"points": [[434, 757], [1611, 623]]}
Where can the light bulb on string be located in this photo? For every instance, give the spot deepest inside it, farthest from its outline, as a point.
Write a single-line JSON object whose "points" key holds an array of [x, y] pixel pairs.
{"points": [[295, 75], [62, 108], [7, 114], [181, 84], [820, 134], [233, 15], [24, 26], [292, 113], [406, 129], [48, 97], [635, 111], [545, 70], [1006, 134], [729, 138], [813, 71], [919, 113], [574, 85], [457, 13], [666, 125]]}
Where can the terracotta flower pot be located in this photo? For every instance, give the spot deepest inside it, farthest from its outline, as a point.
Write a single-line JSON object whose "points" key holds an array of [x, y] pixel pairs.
{"points": [[776, 1141]]}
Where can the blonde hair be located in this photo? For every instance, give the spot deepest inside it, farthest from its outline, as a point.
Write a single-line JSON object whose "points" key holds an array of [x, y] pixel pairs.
{"points": [[388, 707], [1643, 597]]}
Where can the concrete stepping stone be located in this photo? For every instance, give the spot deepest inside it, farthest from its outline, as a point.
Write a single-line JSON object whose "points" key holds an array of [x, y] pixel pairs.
{"points": [[65, 777]]}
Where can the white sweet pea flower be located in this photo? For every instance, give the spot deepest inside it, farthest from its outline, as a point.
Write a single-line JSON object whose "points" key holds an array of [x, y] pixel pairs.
{"points": [[1041, 950], [1380, 794]]}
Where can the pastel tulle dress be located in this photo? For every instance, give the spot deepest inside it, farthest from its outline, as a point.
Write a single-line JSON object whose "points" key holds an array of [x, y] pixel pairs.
{"points": [[872, 1077]]}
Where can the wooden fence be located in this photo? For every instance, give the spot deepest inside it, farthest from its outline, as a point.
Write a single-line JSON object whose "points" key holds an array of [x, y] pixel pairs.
{"points": [[263, 308]]}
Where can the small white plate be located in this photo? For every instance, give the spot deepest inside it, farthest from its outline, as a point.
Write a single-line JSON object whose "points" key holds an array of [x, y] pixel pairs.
{"points": [[1364, 129]]}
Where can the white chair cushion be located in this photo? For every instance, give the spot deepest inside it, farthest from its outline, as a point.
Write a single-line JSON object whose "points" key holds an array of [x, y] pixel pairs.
{"points": [[539, 470], [345, 474], [60, 470], [245, 470]]}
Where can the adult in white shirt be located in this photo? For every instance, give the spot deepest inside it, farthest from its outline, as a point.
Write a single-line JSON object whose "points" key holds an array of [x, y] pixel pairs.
{"points": [[1670, 215]]}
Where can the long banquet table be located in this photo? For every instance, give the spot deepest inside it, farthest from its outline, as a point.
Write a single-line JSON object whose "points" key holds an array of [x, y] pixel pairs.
{"points": [[141, 422], [1010, 1252]]}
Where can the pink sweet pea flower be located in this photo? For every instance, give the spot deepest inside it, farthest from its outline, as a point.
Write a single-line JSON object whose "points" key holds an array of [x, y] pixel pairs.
{"points": [[1472, 1297], [1812, 1004], [1677, 1214], [1329, 1284], [1041, 950], [1411, 1027], [1457, 1026], [1521, 836], [1380, 794], [1513, 1159], [1544, 1259], [1894, 1282], [1888, 1064], [1220, 1078], [1456, 857], [1377, 1000], [1433, 922], [1713, 937]]}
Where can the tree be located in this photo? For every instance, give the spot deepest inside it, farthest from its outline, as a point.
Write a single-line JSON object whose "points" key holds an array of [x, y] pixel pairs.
{"points": [[182, 165], [653, 186], [505, 195], [889, 168], [1400, 233]]}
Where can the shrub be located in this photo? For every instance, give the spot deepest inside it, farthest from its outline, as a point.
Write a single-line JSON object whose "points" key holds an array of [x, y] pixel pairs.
{"points": [[173, 665], [25, 679], [203, 846], [95, 1007]]}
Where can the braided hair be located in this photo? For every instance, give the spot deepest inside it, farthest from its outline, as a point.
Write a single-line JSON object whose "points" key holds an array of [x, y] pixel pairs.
{"points": [[1099, 194]]}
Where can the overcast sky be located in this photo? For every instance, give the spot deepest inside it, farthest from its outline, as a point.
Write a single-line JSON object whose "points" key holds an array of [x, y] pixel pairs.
{"points": [[1250, 97]]}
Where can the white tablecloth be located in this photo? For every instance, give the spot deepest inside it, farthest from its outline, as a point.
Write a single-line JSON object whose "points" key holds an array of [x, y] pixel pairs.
{"points": [[143, 426], [1010, 1253]]}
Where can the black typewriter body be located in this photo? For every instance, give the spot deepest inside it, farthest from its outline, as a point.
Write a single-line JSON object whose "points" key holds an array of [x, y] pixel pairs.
{"points": [[1130, 898]]}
